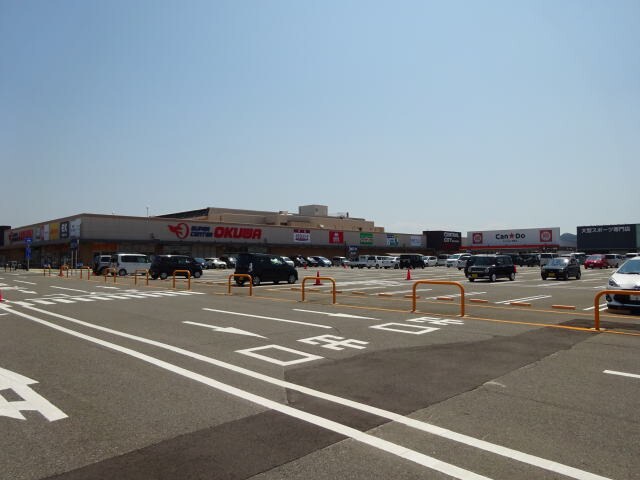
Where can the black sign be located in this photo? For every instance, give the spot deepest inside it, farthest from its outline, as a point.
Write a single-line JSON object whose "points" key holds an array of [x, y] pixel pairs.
{"points": [[64, 229], [607, 237], [444, 241]]}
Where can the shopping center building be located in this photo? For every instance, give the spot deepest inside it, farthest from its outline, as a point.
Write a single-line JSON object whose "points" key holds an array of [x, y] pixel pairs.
{"points": [[206, 232]]}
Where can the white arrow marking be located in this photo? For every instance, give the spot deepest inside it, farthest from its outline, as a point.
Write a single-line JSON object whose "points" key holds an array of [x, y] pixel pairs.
{"points": [[226, 329], [343, 315]]}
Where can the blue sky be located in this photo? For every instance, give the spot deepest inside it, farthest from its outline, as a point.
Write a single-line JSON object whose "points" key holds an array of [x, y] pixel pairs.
{"points": [[418, 115]]}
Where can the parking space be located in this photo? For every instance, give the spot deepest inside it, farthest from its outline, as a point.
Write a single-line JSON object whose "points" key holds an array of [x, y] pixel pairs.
{"points": [[136, 381]]}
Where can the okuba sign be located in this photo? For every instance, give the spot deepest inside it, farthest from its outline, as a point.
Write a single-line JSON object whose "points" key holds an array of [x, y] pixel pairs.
{"points": [[522, 238], [185, 231]]}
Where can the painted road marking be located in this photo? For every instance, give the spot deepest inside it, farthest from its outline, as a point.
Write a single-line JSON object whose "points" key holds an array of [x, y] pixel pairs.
{"points": [[236, 331], [367, 439], [342, 315], [404, 328], [268, 318], [623, 374], [524, 299], [409, 422], [333, 342], [22, 281], [602, 306], [30, 399], [298, 356]]}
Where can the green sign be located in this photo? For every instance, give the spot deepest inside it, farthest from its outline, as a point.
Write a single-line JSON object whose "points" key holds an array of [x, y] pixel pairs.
{"points": [[366, 238]]}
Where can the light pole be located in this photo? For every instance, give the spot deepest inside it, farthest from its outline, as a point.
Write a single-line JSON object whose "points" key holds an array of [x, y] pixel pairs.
{"points": [[147, 210]]}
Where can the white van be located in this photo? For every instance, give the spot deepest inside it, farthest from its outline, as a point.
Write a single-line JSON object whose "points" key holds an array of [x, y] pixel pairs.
{"points": [[128, 263]]}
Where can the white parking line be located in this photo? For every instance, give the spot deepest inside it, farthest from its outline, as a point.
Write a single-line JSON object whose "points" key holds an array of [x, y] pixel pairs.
{"points": [[416, 424], [622, 374], [268, 318], [384, 445], [602, 306], [525, 299]]}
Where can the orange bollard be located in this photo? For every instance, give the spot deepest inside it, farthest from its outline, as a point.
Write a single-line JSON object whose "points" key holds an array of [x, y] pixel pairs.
{"points": [[408, 273], [318, 282]]}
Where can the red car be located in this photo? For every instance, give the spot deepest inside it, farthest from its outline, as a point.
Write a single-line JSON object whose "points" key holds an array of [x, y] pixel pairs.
{"points": [[596, 261]]}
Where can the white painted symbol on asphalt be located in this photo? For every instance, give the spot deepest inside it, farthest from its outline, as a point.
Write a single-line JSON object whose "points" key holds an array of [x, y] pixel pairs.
{"points": [[333, 342], [342, 315], [436, 321], [30, 399], [237, 331], [299, 357], [404, 328]]}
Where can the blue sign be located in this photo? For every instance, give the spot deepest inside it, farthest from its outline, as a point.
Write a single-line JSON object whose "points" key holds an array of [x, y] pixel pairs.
{"points": [[27, 253], [27, 240]]}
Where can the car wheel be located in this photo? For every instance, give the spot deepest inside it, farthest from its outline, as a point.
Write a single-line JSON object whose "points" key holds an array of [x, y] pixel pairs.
{"points": [[493, 277], [544, 277], [566, 276], [255, 280], [197, 274], [578, 275], [275, 282], [472, 279], [154, 276], [291, 279], [512, 276], [163, 276], [122, 272], [240, 281]]}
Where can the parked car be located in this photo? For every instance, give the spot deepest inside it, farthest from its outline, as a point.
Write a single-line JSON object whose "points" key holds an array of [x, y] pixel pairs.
{"points": [[529, 260], [264, 268], [452, 260], [100, 262], [312, 262], [631, 255], [288, 261], [215, 262], [546, 258], [128, 263], [395, 262], [411, 260], [299, 260], [561, 267], [462, 261], [163, 266], [442, 260], [614, 260], [230, 260], [340, 261], [430, 261], [202, 262], [322, 261], [491, 267], [596, 261], [627, 277]]}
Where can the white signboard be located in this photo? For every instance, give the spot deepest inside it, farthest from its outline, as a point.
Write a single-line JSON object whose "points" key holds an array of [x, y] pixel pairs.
{"points": [[74, 228], [526, 237], [416, 241], [301, 236]]}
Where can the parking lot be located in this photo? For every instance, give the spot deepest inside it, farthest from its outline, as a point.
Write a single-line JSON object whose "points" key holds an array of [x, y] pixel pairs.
{"points": [[111, 378]]}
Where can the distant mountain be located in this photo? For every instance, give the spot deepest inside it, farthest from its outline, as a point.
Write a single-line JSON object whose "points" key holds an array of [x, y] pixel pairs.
{"points": [[568, 240]]}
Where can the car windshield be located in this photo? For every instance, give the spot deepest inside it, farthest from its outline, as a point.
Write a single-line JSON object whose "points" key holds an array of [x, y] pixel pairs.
{"points": [[559, 262], [483, 260], [594, 257], [630, 267]]}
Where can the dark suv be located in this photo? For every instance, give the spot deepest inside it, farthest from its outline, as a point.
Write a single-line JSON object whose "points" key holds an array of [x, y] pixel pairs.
{"points": [[264, 268], [411, 260], [163, 266], [491, 267]]}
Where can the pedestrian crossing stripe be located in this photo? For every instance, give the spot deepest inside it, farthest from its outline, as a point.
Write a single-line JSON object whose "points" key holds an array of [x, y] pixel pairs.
{"points": [[99, 297]]}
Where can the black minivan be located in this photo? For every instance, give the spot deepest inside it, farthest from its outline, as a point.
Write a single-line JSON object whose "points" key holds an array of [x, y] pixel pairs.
{"points": [[264, 268], [163, 266]]}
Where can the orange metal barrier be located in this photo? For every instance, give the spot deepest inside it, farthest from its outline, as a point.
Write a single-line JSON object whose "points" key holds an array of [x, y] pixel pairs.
{"points": [[439, 282], [316, 278], [144, 271], [188, 278], [62, 269], [107, 271], [596, 302], [88, 269], [241, 275]]}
